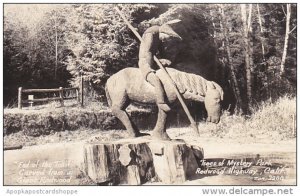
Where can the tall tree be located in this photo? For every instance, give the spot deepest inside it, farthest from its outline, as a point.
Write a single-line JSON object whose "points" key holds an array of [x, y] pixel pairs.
{"points": [[286, 38], [247, 50], [224, 29], [56, 44], [261, 32]]}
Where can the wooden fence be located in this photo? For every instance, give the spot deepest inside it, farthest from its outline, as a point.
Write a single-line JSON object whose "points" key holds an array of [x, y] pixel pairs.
{"points": [[60, 97]]}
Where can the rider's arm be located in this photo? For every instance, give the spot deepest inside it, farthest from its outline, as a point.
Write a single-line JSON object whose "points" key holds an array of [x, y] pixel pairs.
{"points": [[147, 49]]}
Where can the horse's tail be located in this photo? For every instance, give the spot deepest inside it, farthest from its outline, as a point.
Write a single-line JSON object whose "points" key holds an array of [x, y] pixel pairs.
{"points": [[107, 95]]}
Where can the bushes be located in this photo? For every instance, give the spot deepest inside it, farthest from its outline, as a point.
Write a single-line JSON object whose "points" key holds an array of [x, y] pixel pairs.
{"points": [[12, 123], [275, 119], [269, 122], [36, 123]]}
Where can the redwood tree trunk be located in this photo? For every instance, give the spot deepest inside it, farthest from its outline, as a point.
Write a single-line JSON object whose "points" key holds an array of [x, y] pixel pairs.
{"points": [[247, 52]]}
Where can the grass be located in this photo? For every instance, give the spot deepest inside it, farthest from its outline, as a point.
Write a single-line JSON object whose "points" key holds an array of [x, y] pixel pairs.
{"points": [[69, 105], [270, 122], [54, 106]]}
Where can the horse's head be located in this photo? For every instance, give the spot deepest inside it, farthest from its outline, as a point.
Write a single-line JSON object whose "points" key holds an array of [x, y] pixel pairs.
{"points": [[212, 101]]}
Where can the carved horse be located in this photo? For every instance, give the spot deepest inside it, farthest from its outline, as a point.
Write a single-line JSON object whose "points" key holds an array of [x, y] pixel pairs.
{"points": [[128, 86]]}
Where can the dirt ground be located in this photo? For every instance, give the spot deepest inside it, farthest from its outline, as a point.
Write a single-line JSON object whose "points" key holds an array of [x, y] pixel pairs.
{"points": [[69, 145]]}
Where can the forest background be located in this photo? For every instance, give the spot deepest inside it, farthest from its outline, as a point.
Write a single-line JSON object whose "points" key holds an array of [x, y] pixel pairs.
{"points": [[249, 49]]}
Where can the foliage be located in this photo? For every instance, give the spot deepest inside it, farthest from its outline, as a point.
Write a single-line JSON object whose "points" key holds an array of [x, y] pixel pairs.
{"points": [[266, 80], [270, 121], [101, 42], [65, 41], [29, 53]]}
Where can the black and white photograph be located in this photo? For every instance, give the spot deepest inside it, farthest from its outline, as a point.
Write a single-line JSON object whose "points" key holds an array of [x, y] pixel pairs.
{"points": [[109, 94]]}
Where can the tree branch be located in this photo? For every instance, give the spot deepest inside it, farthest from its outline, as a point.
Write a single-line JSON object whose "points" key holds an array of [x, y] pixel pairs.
{"points": [[293, 29], [283, 10]]}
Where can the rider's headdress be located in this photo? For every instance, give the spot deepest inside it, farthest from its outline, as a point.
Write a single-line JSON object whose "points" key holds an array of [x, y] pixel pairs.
{"points": [[167, 28]]}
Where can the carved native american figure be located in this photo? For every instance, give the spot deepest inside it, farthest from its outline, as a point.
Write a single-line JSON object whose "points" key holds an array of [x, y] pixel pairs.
{"points": [[128, 85], [161, 41]]}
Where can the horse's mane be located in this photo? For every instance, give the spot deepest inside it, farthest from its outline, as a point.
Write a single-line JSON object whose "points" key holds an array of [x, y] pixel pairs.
{"points": [[188, 82], [192, 86]]}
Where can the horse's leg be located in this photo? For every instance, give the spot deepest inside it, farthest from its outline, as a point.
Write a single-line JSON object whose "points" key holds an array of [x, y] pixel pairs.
{"points": [[159, 131], [119, 102], [124, 118]]}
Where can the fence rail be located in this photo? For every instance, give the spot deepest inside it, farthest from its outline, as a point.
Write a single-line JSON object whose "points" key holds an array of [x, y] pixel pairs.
{"points": [[52, 90], [41, 100], [60, 97]]}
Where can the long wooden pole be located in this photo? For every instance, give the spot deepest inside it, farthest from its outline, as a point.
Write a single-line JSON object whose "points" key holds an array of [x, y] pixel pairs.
{"points": [[186, 110]]}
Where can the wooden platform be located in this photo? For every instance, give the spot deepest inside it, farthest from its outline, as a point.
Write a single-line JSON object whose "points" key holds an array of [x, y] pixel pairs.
{"points": [[141, 160]]}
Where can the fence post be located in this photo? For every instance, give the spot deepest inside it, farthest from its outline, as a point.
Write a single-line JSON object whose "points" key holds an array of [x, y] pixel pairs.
{"points": [[20, 98], [61, 95], [81, 91], [77, 95]]}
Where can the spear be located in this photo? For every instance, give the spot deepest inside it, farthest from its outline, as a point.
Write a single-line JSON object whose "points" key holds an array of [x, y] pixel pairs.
{"points": [[186, 110]]}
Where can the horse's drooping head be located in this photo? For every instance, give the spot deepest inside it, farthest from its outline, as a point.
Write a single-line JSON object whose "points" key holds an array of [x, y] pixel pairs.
{"points": [[212, 101]]}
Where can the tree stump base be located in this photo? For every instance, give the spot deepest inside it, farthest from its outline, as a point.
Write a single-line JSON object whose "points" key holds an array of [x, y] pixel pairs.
{"points": [[140, 160]]}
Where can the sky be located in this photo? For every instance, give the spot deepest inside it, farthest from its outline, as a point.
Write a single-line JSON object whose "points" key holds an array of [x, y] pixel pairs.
{"points": [[28, 14]]}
